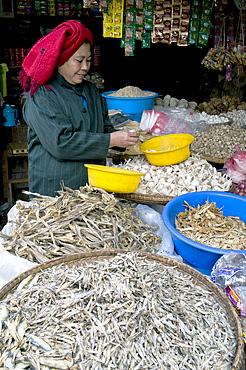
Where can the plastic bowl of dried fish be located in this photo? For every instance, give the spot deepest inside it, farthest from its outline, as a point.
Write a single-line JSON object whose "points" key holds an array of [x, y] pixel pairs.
{"points": [[113, 179], [205, 225], [168, 149]]}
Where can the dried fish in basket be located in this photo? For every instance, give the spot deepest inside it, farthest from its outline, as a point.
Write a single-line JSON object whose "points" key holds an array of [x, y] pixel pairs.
{"points": [[117, 310], [76, 221]]}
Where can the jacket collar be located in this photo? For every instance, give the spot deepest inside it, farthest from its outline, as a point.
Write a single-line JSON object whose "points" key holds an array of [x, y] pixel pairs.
{"points": [[77, 88]]}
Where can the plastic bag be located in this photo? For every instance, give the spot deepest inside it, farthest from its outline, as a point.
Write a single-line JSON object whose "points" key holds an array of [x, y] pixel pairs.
{"points": [[154, 219], [236, 166], [229, 274], [153, 121], [11, 265], [172, 120]]}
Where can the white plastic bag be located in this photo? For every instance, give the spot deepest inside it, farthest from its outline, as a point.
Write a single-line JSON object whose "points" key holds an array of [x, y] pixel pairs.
{"points": [[11, 265], [163, 121], [154, 219]]}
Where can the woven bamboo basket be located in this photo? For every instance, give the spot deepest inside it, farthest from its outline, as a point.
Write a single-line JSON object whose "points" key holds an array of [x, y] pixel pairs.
{"points": [[144, 198], [198, 278], [148, 199], [211, 159]]}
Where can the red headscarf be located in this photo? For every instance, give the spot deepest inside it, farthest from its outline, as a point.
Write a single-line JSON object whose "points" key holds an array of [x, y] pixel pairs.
{"points": [[51, 51]]}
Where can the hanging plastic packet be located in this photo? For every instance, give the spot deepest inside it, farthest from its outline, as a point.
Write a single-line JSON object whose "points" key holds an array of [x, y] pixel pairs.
{"points": [[194, 23], [139, 22], [229, 44], [146, 40], [129, 28], [113, 19], [148, 11], [129, 33], [103, 6], [205, 23], [129, 47]]}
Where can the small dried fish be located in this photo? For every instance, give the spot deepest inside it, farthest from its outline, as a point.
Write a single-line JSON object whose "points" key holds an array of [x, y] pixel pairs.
{"points": [[207, 225], [77, 221], [125, 312]]}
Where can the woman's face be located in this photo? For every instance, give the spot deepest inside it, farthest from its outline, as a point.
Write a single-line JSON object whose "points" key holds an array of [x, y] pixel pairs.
{"points": [[75, 69]]}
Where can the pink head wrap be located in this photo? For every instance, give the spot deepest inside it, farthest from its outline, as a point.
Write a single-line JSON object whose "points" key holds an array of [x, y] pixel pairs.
{"points": [[51, 51]]}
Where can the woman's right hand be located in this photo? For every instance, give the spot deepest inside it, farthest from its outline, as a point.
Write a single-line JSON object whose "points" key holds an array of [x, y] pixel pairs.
{"points": [[123, 138]]}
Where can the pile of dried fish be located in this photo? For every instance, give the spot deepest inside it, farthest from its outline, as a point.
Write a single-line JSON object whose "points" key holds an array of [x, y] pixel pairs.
{"points": [[207, 225], [122, 313], [77, 221], [193, 174]]}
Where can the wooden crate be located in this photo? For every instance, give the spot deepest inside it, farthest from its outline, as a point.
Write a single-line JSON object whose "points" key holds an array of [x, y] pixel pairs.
{"points": [[19, 133]]}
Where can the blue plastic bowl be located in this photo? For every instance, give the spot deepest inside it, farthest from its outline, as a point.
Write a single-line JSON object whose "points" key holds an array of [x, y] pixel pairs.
{"points": [[197, 255], [130, 107]]}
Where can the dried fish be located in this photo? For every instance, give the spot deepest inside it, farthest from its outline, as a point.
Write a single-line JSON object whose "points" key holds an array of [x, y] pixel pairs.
{"points": [[124, 312], [77, 221], [206, 224]]}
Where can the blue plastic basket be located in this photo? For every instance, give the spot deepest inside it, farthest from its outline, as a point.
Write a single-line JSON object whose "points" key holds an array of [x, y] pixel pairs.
{"points": [[130, 107], [197, 255]]}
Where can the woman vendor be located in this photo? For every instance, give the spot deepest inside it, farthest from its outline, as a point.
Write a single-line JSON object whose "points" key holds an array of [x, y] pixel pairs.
{"points": [[67, 118]]}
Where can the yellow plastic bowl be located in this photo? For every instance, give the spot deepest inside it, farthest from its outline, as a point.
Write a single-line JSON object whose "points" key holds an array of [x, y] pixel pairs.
{"points": [[167, 149], [117, 180]]}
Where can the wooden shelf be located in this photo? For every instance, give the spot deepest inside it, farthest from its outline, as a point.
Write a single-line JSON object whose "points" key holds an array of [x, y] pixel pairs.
{"points": [[10, 170], [17, 181]]}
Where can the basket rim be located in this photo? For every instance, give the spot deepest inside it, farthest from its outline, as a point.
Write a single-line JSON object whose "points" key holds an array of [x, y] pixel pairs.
{"points": [[209, 158], [146, 198]]}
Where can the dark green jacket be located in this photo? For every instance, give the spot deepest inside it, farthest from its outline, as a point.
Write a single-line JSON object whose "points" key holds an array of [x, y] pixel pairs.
{"points": [[63, 135]]}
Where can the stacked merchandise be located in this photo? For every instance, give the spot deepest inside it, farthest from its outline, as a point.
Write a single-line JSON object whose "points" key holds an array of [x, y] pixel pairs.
{"points": [[24, 7], [138, 24], [15, 56], [171, 22], [113, 11], [49, 7], [200, 23], [229, 46], [219, 28], [164, 21]]}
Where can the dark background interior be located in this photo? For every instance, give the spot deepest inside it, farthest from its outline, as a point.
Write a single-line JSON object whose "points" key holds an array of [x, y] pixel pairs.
{"points": [[166, 69]]}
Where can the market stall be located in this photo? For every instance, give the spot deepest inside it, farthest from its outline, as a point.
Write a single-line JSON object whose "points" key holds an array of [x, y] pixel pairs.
{"points": [[143, 267]]}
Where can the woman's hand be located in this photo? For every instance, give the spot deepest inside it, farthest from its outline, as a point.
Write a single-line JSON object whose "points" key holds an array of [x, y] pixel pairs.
{"points": [[123, 138]]}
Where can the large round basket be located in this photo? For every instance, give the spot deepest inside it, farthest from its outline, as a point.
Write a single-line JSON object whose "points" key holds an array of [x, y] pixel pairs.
{"points": [[198, 278]]}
